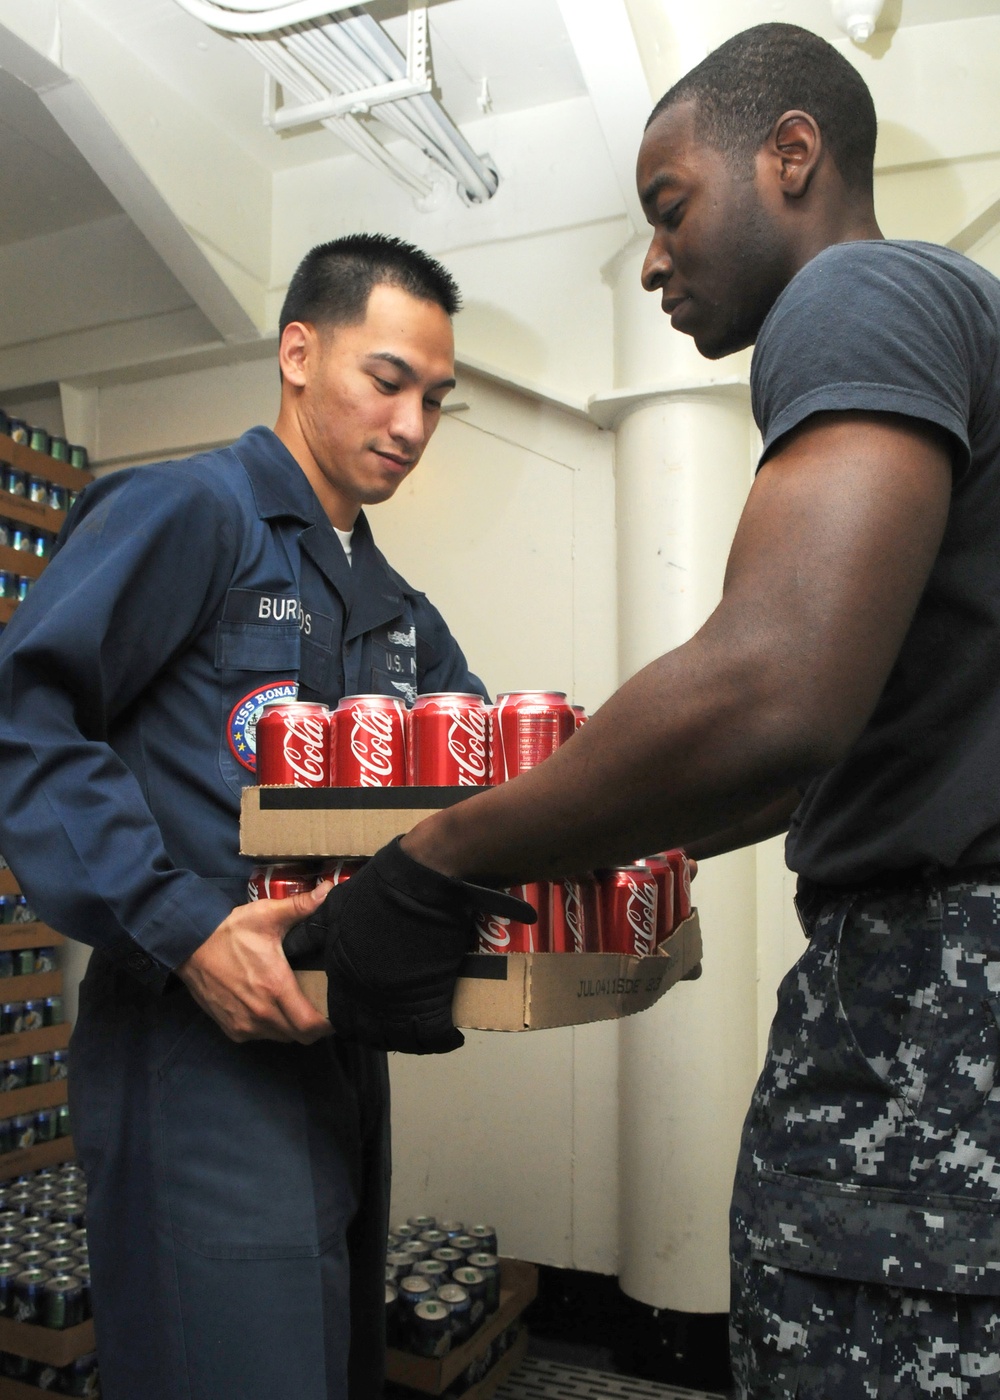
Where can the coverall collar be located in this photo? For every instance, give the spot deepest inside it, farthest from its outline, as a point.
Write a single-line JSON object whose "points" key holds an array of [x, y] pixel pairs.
{"points": [[370, 590]]}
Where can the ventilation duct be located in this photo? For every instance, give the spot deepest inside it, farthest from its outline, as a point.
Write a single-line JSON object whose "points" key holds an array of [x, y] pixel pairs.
{"points": [[333, 64]]}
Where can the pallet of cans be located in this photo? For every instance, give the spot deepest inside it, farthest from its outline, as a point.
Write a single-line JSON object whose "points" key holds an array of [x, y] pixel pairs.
{"points": [[46, 1329], [453, 1308], [345, 782]]}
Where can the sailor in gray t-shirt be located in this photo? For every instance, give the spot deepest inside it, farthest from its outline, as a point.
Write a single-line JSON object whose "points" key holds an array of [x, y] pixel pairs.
{"points": [[846, 689]]}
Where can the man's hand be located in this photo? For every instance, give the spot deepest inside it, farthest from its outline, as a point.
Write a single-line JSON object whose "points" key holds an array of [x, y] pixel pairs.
{"points": [[392, 940], [241, 976]]}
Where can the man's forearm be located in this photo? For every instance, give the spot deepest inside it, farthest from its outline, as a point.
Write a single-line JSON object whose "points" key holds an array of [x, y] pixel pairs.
{"points": [[681, 752]]}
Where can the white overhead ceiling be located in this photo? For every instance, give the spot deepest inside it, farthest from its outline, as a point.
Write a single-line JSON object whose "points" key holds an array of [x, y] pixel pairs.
{"points": [[185, 105], [45, 183]]}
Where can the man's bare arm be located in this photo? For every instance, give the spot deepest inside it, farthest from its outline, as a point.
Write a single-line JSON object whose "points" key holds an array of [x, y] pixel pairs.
{"points": [[832, 553]]}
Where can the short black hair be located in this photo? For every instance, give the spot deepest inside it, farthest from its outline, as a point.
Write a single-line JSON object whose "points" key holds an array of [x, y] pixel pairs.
{"points": [[332, 283], [743, 87]]}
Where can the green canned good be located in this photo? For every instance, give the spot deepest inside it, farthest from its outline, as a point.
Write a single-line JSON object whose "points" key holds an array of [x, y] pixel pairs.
{"points": [[39, 1069], [78, 456], [29, 1289], [10, 1016], [80, 1377], [489, 1266], [59, 449], [82, 1272], [24, 962], [32, 1017], [39, 440], [62, 1303], [24, 1131], [430, 1329], [62, 1117], [53, 1011], [46, 1125], [9, 1270], [14, 1075]]}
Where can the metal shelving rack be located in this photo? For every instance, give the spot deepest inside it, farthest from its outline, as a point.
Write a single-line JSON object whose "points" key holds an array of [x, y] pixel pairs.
{"points": [[24, 1339]]}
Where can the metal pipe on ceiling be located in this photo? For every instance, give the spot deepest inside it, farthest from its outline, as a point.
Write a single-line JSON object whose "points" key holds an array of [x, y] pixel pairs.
{"points": [[323, 53]]}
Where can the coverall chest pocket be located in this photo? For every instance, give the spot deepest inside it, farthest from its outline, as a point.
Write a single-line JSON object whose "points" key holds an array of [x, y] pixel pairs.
{"points": [[256, 663]]}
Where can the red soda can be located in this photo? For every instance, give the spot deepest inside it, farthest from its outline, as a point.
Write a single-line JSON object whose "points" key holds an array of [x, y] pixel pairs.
{"points": [[664, 873], [628, 910], [528, 726], [449, 741], [337, 871], [682, 884], [369, 742], [279, 881], [580, 716], [567, 930], [493, 741], [590, 895], [499, 935], [293, 744]]}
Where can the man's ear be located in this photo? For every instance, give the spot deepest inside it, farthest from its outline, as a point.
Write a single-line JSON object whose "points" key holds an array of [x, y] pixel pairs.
{"points": [[793, 151], [296, 348]]}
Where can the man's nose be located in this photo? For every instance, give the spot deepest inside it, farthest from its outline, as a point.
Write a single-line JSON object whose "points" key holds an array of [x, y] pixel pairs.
{"points": [[408, 419], [657, 267]]}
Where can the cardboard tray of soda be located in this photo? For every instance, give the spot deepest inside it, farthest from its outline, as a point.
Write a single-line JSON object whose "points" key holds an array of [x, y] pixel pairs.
{"points": [[433, 1375], [495, 991]]}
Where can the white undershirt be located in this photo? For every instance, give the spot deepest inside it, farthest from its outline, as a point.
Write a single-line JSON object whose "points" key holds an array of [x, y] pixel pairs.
{"points": [[344, 536]]}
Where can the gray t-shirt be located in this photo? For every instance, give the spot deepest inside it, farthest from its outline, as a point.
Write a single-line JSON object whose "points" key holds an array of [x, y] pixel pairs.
{"points": [[914, 329]]}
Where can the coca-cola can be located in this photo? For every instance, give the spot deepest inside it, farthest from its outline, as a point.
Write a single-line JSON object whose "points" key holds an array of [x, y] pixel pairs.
{"points": [[293, 744], [527, 726], [280, 881], [567, 931], [628, 910], [500, 935], [449, 741], [337, 871], [590, 895], [580, 716], [664, 872], [368, 747], [681, 867]]}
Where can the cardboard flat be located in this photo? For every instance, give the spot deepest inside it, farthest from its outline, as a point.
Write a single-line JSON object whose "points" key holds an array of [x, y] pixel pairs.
{"points": [[496, 991], [290, 823], [537, 991], [518, 1287]]}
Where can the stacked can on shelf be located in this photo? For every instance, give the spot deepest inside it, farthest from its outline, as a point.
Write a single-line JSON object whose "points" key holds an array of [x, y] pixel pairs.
{"points": [[436, 1298]]}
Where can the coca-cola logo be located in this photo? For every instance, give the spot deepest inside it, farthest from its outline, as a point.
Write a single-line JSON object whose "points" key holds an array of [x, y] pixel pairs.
{"points": [[372, 746], [303, 749], [640, 914], [467, 746], [573, 914], [494, 933]]}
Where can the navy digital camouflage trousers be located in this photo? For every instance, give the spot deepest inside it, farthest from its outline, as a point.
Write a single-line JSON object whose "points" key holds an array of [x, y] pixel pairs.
{"points": [[866, 1210]]}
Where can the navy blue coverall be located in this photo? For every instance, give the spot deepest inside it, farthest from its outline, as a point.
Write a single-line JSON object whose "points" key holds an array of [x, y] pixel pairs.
{"points": [[237, 1194]]}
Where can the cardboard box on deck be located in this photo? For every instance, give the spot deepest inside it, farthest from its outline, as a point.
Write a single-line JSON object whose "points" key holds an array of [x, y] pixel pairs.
{"points": [[495, 991], [518, 1288]]}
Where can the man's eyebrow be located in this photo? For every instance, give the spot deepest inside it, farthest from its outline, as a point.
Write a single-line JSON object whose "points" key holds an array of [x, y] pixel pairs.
{"points": [[407, 369], [658, 183]]}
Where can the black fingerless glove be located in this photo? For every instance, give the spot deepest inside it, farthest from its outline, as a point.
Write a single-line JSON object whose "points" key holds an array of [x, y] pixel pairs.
{"points": [[393, 938]]}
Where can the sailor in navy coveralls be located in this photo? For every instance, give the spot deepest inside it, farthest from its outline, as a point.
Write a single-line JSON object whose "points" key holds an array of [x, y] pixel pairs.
{"points": [[236, 1154]]}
